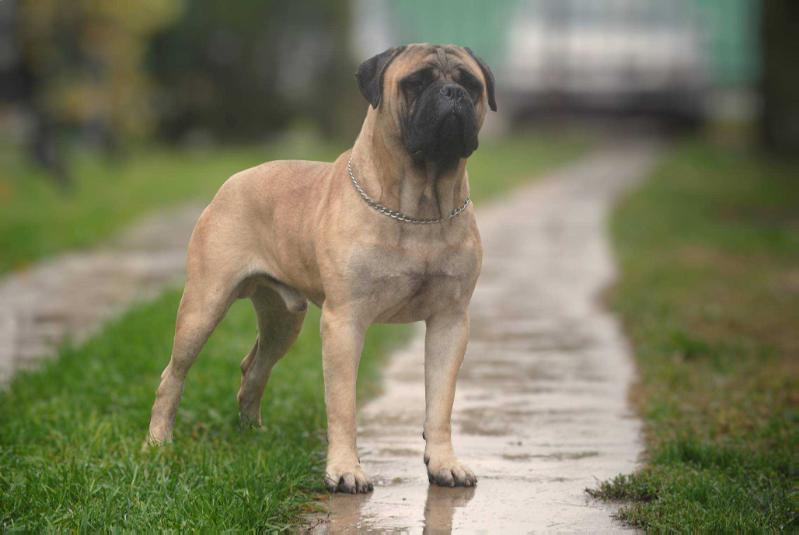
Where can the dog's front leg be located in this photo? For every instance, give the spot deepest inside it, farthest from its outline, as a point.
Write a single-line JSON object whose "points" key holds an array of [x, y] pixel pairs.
{"points": [[342, 342], [445, 345]]}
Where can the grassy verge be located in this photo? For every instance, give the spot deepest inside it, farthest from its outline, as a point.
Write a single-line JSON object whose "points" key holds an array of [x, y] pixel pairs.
{"points": [[36, 220], [70, 434], [709, 293], [501, 165]]}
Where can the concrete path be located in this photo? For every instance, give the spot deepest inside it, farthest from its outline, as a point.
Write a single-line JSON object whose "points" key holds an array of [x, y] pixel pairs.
{"points": [[71, 296], [541, 409]]}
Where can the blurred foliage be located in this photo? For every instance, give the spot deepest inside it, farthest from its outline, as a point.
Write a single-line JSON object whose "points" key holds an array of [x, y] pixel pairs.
{"points": [[90, 53], [780, 84], [206, 70], [235, 71]]}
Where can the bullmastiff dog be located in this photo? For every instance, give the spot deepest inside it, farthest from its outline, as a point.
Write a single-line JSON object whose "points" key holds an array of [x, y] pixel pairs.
{"points": [[385, 234]]}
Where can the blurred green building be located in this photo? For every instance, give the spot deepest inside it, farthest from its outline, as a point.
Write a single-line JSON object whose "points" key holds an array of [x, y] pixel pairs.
{"points": [[675, 49], [730, 27]]}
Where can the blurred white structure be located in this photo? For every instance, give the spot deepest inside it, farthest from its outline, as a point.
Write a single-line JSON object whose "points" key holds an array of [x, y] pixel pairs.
{"points": [[645, 54], [677, 58]]}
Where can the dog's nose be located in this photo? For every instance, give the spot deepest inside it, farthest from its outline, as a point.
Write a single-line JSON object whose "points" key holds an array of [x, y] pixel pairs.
{"points": [[453, 92]]}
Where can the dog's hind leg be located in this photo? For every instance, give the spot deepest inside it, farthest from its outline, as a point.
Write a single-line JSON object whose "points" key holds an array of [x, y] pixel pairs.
{"points": [[202, 306], [279, 323]]}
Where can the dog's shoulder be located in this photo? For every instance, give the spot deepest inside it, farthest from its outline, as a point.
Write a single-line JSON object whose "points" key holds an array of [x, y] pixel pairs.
{"points": [[275, 176], [283, 170]]}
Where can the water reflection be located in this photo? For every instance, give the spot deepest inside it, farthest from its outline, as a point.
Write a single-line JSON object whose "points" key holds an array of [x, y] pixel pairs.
{"points": [[356, 513], [345, 514], [440, 506]]}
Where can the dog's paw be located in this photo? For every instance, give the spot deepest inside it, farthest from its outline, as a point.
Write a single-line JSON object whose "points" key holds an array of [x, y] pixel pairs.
{"points": [[350, 479], [154, 442], [249, 421], [450, 473]]}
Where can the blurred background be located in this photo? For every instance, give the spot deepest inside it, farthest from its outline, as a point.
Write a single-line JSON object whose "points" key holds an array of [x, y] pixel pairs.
{"points": [[105, 75], [89, 90]]}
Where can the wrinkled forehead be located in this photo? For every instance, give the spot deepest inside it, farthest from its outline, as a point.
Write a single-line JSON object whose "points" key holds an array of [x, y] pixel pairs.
{"points": [[443, 59]]}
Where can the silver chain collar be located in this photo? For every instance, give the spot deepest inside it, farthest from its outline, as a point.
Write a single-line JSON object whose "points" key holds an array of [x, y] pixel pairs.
{"points": [[399, 216]]}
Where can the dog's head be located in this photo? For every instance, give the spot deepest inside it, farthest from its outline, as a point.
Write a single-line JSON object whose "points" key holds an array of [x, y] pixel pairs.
{"points": [[434, 97]]}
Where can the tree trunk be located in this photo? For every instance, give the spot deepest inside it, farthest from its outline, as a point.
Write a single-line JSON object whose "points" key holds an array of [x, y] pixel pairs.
{"points": [[780, 85]]}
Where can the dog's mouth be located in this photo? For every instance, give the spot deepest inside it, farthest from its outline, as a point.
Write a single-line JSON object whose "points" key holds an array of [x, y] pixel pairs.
{"points": [[452, 133], [448, 139]]}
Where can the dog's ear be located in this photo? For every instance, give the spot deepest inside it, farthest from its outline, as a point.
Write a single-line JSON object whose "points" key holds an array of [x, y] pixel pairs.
{"points": [[370, 74], [489, 76]]}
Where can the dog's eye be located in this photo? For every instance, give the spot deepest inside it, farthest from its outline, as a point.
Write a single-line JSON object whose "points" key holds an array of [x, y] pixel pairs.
{"points": [[471, 84], [413, 87], [416, 82]]}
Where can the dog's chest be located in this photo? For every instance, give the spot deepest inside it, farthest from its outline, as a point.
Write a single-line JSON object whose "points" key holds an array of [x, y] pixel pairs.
{"points": [[405, 284]]}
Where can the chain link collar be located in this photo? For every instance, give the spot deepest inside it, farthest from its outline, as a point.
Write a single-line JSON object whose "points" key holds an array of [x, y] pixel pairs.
{"points": [[399, 216]]}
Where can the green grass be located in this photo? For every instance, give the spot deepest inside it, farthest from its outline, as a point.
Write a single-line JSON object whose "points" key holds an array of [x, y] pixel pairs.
{"points": [[709, 293], [70, 434], [36, 220], [498, 166]]}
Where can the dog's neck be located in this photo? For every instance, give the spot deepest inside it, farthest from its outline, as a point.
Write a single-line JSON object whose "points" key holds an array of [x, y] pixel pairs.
{"points": [[388, 174]]}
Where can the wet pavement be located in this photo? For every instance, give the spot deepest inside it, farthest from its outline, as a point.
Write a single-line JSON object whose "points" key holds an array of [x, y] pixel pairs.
{"points": [[71, 296], [541, 410]]}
